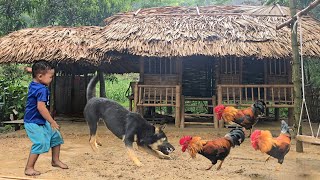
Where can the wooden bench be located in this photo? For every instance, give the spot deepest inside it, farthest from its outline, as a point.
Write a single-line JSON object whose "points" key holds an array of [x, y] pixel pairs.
{"points": [[16, 123]]}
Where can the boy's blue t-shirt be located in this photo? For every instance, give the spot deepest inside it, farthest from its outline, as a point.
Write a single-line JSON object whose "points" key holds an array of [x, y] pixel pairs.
{"points": [[37, 92]]}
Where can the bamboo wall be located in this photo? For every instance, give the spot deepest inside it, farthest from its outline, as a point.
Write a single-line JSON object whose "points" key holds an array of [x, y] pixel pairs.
{"points": [[198, 77], [70, 94]]}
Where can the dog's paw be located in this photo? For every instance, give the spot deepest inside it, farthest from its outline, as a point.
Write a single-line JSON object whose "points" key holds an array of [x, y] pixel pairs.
{"points": [[166, 157], [139, 164], [94, 148], [99, 143]]}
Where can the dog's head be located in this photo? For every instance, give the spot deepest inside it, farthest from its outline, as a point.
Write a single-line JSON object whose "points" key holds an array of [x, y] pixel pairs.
{"points": [[158, 141]]}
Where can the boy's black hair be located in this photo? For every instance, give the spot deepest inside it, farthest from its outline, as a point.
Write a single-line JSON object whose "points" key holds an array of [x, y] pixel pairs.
{"points": [[41, 67]]}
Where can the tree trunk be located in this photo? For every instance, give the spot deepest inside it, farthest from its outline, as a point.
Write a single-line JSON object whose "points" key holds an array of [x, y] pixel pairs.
{"points": [[296, 75], [102, 84]]}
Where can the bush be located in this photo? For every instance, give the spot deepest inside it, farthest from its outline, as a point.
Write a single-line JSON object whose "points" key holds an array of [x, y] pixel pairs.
{"points": [[13, 93]]}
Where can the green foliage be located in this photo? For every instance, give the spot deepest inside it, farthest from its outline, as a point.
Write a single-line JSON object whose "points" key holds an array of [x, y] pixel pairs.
{"points": [[196, 107], [13, 93], [77, 12], [12, 15], [312, 72], [158, 3], [117, 86]]}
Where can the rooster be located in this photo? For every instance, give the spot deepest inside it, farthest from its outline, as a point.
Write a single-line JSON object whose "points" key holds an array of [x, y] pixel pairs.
{"points": [[214, 150], [246, 118], [274, 147]]}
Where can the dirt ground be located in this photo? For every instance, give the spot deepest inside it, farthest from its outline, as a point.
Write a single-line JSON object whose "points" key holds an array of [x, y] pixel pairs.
{"points": [[112, 161]]}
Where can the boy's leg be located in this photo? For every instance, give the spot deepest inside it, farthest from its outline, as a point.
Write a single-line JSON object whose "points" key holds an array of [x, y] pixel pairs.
{"points": [[55, 158], [29, 170]]}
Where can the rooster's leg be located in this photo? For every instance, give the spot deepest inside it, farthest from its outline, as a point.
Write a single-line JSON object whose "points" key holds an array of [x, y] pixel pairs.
{"points": [[278, 167], [250, 131], [219, 167], [209, 167], [267, 159]]}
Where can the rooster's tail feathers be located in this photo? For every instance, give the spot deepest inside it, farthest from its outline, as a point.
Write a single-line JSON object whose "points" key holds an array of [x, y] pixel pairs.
{"points": [[284, 128], [261, 105]]}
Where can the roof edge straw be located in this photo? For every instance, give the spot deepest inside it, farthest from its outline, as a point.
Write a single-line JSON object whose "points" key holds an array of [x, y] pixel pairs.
{"points": [[207, 14]]}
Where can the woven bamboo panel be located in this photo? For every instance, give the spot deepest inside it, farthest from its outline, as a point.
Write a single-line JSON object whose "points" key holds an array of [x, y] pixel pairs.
{"points": [[160, 79]]}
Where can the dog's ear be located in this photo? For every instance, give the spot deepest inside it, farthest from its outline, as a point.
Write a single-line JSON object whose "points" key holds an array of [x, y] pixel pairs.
{"points": [[157, 129], [162, 127]]}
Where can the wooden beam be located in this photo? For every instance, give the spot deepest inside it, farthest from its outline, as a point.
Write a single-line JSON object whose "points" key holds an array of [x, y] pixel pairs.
{"points": [[308, 139], [299, 14], [198, 123]]}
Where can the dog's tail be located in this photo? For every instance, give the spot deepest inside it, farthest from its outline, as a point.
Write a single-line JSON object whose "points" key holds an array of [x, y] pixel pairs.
{"points": [[91, 87]]}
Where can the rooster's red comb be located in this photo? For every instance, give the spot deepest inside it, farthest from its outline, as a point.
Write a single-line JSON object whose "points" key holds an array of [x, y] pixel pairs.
{"points": [[184, 139], [255, 135], [218, 108]]}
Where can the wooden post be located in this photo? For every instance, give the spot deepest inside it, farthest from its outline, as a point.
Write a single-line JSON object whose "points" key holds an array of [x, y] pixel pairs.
{"points": [[267, 112], [178, 105], [221, 122], [215, 119], [141, 63], [52, 96], [182, 112], [179, 70], [135, 97], [290, 116], [130, 104], [265, 69], [296, 74], [72, 92], [219, 95], [276, 114], [241, 70]]}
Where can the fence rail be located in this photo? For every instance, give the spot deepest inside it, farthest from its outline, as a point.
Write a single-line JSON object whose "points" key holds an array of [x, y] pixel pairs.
{"points": [[279, 95]]}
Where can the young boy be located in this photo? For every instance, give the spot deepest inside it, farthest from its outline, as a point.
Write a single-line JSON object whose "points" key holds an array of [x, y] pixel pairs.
{"points": [[41, 128]]}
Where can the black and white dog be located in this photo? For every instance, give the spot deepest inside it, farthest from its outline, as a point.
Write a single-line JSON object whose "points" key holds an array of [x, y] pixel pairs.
{"points": [[128, 126]]}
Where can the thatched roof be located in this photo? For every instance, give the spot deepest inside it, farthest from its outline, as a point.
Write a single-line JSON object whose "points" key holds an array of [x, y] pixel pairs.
{"points": [[214, 31], [68, 44], [165, 32]]}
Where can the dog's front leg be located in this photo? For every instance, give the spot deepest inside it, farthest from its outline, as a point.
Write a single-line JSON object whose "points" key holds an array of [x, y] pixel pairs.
{"points": [[133, 156], [128, 141], [156, 153]]}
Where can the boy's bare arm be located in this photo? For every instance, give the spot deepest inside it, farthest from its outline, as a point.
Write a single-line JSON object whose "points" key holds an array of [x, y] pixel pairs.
{"points": [[42, 108]]}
